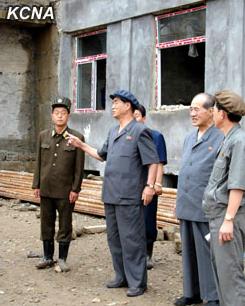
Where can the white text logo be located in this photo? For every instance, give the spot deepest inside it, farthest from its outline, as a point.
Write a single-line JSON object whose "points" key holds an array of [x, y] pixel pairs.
{"points": [[30, 13]]}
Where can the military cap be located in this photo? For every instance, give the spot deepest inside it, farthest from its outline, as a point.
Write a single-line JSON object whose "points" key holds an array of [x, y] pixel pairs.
{"points": [[62, 102], [126, 96], [231, 102]]}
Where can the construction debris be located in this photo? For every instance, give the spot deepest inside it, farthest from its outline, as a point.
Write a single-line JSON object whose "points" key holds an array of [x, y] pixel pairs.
{"points": [[18, 185], [94, 229]]}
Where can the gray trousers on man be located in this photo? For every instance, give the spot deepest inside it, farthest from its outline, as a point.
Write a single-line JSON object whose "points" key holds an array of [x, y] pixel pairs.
{"points": [[127, 243], [198, 278], [227, 260]]}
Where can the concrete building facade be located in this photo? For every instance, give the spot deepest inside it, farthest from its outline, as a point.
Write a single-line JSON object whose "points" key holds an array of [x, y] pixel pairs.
{"points": [[29, 53], [163, 51], [131, 50]]}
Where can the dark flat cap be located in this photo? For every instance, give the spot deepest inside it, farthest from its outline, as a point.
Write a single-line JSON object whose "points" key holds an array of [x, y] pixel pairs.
{"points": [[62, 102], [126, 96], [231, 102]]}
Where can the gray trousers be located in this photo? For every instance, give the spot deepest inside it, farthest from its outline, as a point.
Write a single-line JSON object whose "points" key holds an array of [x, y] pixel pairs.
{"points": [[227, 261], [198, 277], [127, 243]]}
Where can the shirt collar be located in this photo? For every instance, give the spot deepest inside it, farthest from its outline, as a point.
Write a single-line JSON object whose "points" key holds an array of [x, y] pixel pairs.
{"points": [[63, 133]]}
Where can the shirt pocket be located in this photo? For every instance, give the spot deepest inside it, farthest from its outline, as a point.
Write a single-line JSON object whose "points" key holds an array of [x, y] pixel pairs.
{"points": [[219, 170], [127, 149], [69, 149], [45, 146]]}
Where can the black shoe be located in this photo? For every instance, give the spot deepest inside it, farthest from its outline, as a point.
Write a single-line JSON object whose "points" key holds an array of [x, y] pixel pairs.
{"points": [[187, 301], [135, 291], [149, 263], [212, 303], [116, 284], [45, 263]]}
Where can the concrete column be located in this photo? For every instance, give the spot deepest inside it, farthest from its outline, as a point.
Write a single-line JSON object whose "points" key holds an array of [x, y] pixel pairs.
{"points": [[225, 47], [125, 54], [64, 66]]}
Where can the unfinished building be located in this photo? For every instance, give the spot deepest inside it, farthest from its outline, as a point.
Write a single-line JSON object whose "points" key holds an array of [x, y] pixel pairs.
{"points": [[165, 52]]}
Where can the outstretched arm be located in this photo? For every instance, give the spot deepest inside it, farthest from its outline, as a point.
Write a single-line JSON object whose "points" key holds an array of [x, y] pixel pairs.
{"points": [[76, 142]]}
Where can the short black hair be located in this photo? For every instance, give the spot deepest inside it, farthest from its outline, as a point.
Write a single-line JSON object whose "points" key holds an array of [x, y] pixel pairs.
{"points": [[142, 110], [232, 117]]}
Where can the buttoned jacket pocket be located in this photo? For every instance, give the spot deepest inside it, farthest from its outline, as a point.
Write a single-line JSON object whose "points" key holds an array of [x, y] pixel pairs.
{"points": [[45, 146], [69, 149]]}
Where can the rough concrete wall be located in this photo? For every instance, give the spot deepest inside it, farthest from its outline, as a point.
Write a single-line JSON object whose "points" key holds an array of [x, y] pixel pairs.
{"points": [[46, 80], [16, 95], [225, 47], [131, 61], [28, 80], [87, 13]]}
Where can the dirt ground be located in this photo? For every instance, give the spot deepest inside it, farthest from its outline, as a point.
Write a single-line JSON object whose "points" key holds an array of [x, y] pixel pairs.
{"points": [[22, 284]]}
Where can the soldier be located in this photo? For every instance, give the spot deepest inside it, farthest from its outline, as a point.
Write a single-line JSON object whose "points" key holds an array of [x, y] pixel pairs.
{"points": [[57, 181], [150, 211], [224, 201], [130, 173]]}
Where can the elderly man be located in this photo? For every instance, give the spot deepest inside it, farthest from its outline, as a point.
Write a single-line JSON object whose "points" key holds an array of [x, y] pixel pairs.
{"points": [[199, 152], [57, 180], [130, 173], [224, 201]]}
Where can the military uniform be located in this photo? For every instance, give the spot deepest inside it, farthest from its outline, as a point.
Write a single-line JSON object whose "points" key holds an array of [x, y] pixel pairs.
{"points": [[197, 163], [127, 156], [228, 173], [59, 170]]}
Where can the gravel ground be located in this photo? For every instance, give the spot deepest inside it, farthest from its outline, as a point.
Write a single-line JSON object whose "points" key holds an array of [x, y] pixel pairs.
{"points": [[22, 284]]}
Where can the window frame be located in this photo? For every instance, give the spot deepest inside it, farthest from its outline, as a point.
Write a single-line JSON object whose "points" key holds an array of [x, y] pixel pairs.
{"points": [[93, 59], [171, 44]]}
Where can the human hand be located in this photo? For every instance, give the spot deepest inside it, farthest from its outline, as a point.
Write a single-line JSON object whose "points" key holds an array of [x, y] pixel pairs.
{"points": [[74, 141], [147, 195], [158, 189], [73, 196], [226, 232], [37, 193]]}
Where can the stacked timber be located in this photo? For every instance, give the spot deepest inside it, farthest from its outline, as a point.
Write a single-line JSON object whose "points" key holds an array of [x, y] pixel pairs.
{"points": [[18, 185]]}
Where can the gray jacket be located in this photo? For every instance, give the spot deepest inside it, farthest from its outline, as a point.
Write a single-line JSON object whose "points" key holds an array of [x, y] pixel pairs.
{"points": [[127, 156], [197, 163]]}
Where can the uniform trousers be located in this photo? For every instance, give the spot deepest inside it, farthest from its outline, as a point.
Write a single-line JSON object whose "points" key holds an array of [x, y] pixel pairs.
{"points": [[150, 214], [198, 277], [227, 261], [126, 240], [48, 207]]}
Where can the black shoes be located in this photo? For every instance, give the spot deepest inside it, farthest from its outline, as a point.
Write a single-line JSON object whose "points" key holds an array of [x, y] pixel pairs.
{"points": [[187, 301], [116, 284], [132, 292], [212, 303], [45, 263], [149, 263]]}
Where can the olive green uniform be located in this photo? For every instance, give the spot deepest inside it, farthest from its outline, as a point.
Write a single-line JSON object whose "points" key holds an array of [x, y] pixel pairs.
{"points": [[59, 170]]}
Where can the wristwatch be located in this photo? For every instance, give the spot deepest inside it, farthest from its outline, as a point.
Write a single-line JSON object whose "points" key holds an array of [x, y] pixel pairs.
{"points": [[228, 217], [150, 185], [158, 184]]}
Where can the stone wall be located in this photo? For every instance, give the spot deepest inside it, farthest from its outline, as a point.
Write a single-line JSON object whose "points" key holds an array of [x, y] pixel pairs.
{"points": [[28, 81]]}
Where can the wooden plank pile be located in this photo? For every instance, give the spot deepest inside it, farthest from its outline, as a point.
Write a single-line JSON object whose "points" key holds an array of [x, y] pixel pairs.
{"points": [[18, 185]]}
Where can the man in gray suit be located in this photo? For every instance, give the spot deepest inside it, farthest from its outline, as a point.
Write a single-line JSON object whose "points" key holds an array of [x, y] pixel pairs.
{"points": [[129, 178], [199, 152]]}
